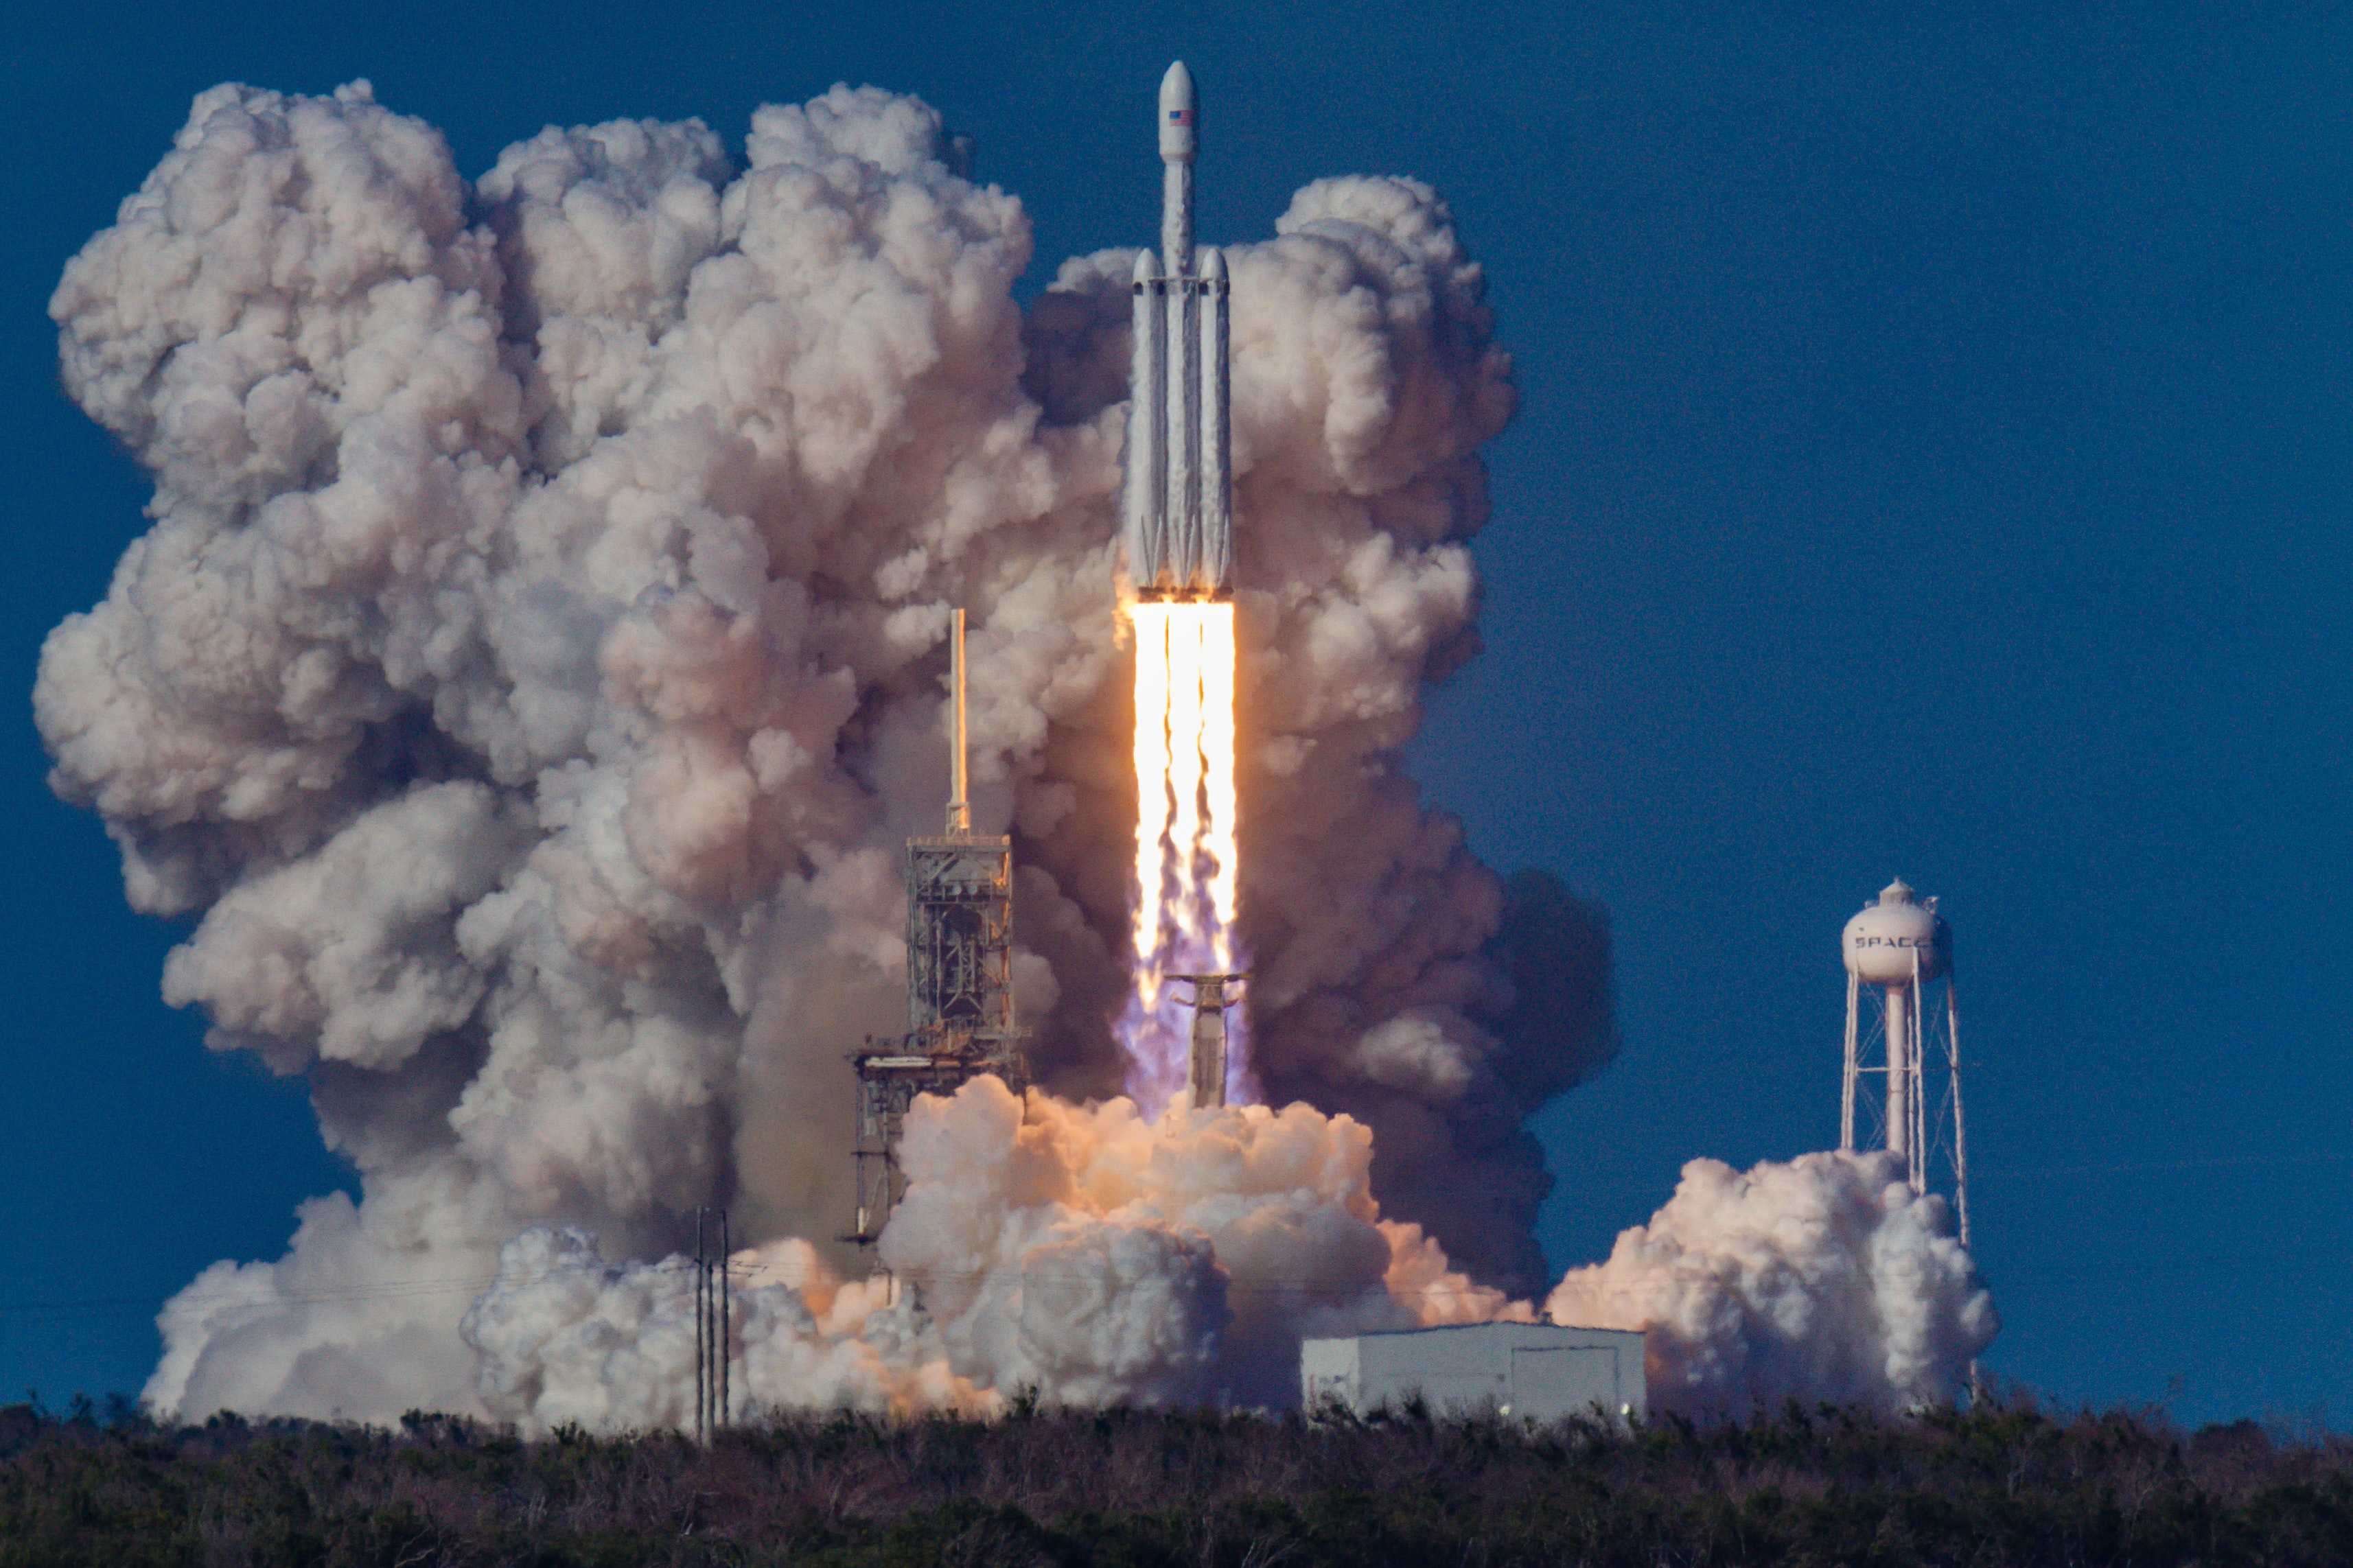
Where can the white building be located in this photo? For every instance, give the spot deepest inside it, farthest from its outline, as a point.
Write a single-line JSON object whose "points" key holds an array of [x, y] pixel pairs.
{"points": [[1536, 1370]]}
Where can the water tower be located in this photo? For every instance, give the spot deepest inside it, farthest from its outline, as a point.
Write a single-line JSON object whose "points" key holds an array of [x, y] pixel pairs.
{"points": [[1904, 1025]]}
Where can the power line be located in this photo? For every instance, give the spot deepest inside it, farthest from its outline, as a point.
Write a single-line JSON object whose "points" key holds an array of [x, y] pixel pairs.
{"points": [[2134, 1167], [402, 1290], [390, 1290], [385, 1290]]}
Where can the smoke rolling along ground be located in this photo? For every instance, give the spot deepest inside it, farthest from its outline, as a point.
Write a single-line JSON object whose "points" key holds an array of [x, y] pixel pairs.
{"points": [[534, 661], [1819, 1279], [1185, 915]]}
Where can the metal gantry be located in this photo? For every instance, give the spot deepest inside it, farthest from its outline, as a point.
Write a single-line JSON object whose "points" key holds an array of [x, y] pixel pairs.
{"points": [[961, 1021]]}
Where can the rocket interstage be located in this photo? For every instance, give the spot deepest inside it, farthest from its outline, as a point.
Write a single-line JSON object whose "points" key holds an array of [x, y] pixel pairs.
{"points": [[1179, 527], [1180, 550]]}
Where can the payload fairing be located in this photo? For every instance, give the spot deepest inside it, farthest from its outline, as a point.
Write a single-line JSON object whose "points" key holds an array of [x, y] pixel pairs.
{"points": [[1179, 463]]}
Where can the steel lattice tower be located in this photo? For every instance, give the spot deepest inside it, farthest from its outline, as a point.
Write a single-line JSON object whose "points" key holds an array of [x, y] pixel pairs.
{"points": [[960, 1015]]}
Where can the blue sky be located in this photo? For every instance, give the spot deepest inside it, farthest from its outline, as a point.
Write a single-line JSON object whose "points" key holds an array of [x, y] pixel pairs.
{"points": [[1933, 459]]}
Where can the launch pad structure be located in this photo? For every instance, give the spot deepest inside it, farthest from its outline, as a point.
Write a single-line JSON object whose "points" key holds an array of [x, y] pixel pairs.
{"points": [[1178, 546], [961, 1021], [1205, 1077]]}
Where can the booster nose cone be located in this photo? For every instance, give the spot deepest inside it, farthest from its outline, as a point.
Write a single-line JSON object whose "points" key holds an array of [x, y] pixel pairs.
{"points": [[1178, 113]]}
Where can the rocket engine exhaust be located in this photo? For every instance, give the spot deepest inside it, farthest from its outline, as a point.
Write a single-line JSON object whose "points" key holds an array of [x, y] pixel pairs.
{"points": [[1187, 893]]}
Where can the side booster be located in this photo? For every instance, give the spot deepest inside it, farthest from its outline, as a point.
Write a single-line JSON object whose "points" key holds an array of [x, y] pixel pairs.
{"points": [[1180, 526]]}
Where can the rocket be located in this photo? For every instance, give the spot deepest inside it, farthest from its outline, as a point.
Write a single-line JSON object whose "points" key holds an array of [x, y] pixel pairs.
{"points": [[1179, 499]]}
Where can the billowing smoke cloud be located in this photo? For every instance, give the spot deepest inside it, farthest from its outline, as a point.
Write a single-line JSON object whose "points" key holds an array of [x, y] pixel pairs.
{"points": [[534, 667], [1082, 1254], [564, 1336], [1825, 1278], [534, 663]]}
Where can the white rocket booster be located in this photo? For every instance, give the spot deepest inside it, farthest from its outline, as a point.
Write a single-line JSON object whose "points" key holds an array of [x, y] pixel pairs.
{"points": [[1179, 463]]}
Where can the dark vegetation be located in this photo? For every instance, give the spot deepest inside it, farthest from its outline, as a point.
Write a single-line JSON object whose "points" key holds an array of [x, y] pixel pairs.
{"points": [[2001, 1486]]}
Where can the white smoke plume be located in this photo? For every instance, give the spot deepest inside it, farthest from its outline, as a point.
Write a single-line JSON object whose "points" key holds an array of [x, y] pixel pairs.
{"points": [[534, 662], [534, 666], [1081, 1253], [564, 1336], [1823, 1279]]}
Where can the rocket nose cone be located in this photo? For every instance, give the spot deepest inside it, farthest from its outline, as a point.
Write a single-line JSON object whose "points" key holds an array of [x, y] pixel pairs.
{"points": [[1177, 87], [1178, 113]]}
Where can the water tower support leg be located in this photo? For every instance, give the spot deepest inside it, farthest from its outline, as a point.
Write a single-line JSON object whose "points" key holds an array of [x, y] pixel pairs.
{"points": [[1846, 1084]]}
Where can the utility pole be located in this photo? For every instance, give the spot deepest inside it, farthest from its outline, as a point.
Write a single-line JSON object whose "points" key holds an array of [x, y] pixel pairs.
{"points": [[701, 1328], [726, 1326], [714, 1327]]}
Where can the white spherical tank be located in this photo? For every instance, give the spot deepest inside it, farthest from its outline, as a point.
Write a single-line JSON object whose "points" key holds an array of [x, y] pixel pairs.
{"points": [[1884, 941]]}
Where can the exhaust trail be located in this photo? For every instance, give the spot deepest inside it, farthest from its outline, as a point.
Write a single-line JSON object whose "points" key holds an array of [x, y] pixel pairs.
{"points": [[1187, 892]]}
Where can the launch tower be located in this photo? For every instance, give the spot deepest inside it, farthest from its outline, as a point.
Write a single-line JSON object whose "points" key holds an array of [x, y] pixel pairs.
{"points": [[960, 1017]]}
